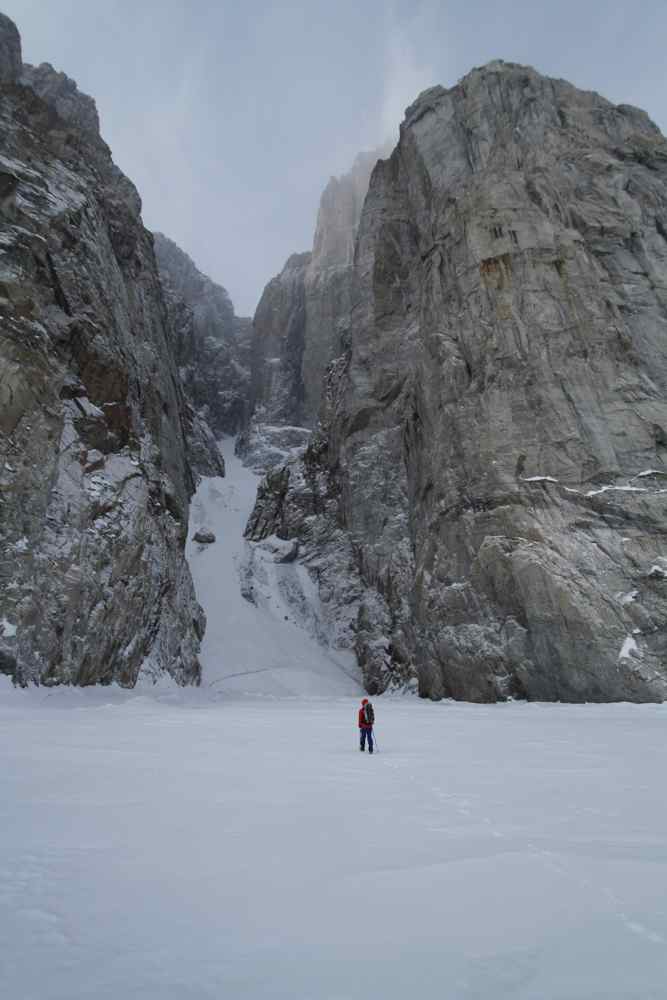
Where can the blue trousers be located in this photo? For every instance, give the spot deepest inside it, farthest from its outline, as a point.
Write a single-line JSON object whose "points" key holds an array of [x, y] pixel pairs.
{"points": [[366, 734]]}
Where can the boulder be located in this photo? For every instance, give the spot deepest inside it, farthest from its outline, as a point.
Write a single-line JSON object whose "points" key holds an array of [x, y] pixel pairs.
{"points": [[204, 537]]}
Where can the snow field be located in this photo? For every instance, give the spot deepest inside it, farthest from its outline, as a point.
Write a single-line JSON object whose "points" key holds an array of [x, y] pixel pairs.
{"points": [[231, 843], [176, 848]]}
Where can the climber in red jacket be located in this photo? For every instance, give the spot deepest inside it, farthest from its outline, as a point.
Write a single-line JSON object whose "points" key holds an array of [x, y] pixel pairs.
{"points": [[366, 720]]}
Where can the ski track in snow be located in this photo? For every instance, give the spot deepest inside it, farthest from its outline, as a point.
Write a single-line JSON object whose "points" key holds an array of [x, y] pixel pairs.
{"points": [[231, 842]]}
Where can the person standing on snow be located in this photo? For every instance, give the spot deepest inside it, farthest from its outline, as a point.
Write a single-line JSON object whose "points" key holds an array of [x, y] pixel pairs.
{"points": [[366, 720]]}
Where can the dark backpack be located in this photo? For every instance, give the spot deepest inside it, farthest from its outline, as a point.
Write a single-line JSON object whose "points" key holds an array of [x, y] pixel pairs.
{"points": [[369, 714]]}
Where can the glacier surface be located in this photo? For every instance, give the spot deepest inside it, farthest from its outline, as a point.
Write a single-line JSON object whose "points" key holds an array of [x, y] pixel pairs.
{"points": [[166, 845]]}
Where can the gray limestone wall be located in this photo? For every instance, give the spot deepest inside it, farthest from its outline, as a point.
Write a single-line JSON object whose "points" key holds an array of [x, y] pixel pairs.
{"points": [[485, 505]]}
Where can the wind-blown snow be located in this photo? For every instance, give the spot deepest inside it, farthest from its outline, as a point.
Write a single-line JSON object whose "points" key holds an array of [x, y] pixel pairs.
{"points": [[175, 848], [269, 646]]}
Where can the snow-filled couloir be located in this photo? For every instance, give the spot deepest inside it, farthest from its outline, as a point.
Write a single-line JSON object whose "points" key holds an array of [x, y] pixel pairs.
{"points": [[261, 608]]}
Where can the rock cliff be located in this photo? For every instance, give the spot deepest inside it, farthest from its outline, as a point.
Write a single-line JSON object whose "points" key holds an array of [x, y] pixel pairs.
{"points": [[10, 51], [62, 94], [212, 345], [302, 320], [94, 473], [279, 330], [485, 506]]}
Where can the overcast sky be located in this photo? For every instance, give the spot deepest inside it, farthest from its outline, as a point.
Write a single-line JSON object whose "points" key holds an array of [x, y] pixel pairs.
{"points": [[230, 116]]}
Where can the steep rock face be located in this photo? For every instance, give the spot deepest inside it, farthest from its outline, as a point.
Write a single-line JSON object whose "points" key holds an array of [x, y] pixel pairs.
{"points": [[487, 504], [328, 279], [302, 320], [10, 51], [211, 344], [94, 478], [279, 332], [62, 93]]}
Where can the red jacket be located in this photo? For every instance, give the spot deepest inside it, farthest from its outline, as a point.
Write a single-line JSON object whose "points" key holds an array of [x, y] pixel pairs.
{"points": [[362, 719]]}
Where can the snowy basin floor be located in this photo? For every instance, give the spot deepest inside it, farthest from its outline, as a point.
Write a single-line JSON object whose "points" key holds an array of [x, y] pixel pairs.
{"points": [[171, 847]]}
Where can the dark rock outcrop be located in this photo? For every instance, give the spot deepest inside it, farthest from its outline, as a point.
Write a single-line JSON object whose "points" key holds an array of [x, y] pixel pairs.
{"points": [[485, 506], [10, 51], [204, 537], [211, 344], [278, 344], [94, 474]]}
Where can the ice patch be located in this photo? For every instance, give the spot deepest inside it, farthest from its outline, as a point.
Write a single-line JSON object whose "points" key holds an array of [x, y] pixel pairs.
{"points": [[629, 649], [7, 630], [539, 479]]}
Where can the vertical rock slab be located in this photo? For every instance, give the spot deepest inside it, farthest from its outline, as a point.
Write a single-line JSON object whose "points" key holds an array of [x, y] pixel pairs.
{"points": [[211, 343], [94, 475], [278, 346], [493, 458], [211, 347]]}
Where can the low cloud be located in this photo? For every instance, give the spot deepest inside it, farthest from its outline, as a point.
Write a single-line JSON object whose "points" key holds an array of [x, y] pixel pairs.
{"points": [[408, 69]]}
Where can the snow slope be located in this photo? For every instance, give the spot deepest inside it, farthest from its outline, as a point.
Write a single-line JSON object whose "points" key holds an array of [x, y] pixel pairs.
{"points": [[197, 844], [174, 848], [267, 647]]}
